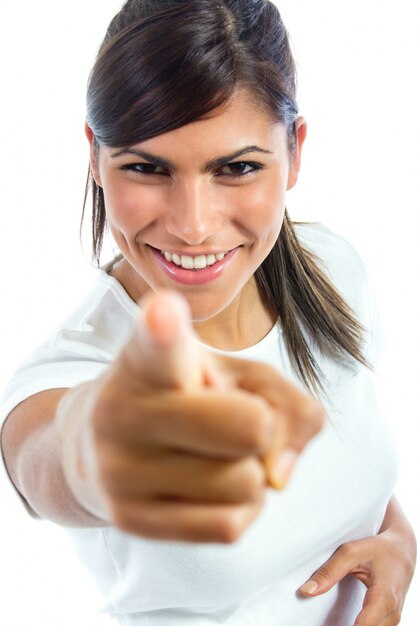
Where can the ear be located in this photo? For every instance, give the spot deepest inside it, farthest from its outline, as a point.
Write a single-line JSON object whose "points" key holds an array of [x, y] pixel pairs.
{"points": [[93, 155], [295, 164]]}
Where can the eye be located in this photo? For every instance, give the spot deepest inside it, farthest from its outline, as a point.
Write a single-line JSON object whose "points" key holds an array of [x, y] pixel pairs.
{"points": [[144, 168], [237, 169]]}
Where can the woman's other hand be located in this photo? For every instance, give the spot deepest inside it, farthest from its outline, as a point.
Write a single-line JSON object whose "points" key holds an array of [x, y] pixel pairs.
{"points": [[176, 442], [384, 563]]}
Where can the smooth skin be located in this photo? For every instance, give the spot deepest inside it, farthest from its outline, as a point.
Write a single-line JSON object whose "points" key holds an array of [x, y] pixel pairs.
{"points": [[174, 442], [195, 206], [384, 563]]}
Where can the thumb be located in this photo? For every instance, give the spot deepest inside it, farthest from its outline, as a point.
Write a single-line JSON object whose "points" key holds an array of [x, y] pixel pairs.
{"points": [[164, 344], [331, 572]]}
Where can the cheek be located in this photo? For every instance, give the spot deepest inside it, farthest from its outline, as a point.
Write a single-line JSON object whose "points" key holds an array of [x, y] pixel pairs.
{"points": [[129, 207], [262, 209]]}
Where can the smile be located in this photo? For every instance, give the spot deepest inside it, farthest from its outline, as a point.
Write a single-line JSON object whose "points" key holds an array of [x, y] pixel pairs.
{"points": [[199, 262], [193, 271]]}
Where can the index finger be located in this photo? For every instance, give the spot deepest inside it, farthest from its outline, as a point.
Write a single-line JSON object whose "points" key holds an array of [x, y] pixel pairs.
{"points": [[209, 422], [305, 413], [298, 415]]}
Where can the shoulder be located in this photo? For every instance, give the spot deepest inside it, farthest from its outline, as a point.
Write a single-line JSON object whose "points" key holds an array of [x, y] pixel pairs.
{"points": [[80, 347], [347, 273], [92, 333], [333, 250], [337, 257], [103, 319]]}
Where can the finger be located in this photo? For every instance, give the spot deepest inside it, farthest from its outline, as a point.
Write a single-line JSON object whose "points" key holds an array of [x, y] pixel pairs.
{"points": [[178, 521], [184, 476], [299, 417], [163, 352], [341, 563], [307, 414], [380, 608], [208, 422]]}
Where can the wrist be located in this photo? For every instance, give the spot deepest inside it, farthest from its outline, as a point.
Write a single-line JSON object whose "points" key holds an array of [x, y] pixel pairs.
{"points": [[77, 449]]}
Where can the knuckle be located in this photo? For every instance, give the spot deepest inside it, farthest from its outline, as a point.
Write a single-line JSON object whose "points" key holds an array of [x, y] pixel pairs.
{"points": [[252, 479], [347, 551], [258, 427], [312, 414], [265, 370], [308, 423], [251, 373], [258, 369]]}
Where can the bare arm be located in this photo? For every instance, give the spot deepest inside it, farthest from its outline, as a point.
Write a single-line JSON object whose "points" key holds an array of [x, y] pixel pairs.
{"points": [[31, 451], [385, 563], [170, 442], [396, 519]]}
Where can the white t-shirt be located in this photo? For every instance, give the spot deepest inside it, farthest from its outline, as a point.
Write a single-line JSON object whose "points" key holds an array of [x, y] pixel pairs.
{"points": [[338, 492]]}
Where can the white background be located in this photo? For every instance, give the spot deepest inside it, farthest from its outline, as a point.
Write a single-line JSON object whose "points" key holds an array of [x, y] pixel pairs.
{"points": [[357, 90]]}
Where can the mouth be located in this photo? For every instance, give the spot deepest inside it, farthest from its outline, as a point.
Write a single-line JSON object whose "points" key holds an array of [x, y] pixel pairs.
{"points": [[197, 262], [193, 270]]}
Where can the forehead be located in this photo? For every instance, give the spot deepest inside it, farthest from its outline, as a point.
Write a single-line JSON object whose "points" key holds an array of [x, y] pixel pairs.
{"points": [[240, 122]]}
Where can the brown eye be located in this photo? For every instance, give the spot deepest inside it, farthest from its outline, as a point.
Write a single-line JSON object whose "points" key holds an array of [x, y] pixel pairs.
{"points": [[240, 168], [144, 168]]}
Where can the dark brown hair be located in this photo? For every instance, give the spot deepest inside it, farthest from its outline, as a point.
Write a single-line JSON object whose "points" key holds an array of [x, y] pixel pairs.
{"points": [[166, 63]]}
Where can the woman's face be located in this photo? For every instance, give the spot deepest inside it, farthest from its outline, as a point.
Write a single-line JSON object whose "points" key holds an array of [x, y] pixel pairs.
{"points": [[208, 196]]}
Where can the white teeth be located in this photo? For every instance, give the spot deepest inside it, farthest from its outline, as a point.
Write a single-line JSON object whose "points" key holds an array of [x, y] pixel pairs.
{"points": [[196, 263], [187, 262], [200, 262]]}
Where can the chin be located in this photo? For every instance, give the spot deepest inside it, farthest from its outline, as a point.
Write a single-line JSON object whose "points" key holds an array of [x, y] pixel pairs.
{"points": [[204, 308]]}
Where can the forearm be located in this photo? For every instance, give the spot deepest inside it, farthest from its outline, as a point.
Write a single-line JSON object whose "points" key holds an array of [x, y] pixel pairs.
{"points": [[396, 524], [33, 455], [394, 516], [41, 481]]}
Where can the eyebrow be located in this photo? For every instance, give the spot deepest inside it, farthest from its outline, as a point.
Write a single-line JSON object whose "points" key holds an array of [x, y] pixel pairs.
{"points": [[211, 165]]}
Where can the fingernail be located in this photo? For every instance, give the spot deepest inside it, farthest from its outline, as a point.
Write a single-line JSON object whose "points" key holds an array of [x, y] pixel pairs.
{"points": [[310, 587], [283, 467]]}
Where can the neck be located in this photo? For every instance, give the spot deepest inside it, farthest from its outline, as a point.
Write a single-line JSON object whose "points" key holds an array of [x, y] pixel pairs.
{"points": [[243, 324]]}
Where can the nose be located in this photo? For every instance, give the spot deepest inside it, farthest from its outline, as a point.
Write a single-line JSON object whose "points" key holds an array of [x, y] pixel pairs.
{"points": [[193, 214]]}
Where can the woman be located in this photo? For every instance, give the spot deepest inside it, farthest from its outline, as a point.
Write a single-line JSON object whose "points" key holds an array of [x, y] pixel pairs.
{"points": [[155, 432]]}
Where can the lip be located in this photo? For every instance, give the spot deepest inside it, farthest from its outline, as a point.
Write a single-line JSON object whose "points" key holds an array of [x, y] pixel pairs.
{"points": [[193, 277], [192, 254]]}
